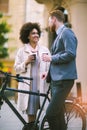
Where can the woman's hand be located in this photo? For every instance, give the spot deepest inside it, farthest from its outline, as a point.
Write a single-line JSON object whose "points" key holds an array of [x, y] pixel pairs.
{"points": [[30, 59]]}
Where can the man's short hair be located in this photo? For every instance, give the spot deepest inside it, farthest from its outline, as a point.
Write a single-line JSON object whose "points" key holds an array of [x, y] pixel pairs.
{"points": [[58, 14]]}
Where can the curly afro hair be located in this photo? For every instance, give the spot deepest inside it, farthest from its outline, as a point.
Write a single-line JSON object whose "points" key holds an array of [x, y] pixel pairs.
{"points": [[26, 29]]}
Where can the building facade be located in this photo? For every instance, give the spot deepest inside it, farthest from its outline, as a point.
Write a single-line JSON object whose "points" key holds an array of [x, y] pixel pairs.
{"points": [[19, 12]]}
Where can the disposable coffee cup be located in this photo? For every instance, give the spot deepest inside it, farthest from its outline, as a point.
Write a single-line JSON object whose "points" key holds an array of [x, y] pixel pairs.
{"points": [[34, 55]]}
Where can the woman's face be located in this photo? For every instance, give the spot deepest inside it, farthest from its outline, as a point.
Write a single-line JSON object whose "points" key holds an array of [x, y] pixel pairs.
{"points": [[34, 36]]}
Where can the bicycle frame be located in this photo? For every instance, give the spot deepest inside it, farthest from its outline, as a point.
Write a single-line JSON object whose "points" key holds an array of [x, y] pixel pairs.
{"points": [[3, 96], [72, 110]]}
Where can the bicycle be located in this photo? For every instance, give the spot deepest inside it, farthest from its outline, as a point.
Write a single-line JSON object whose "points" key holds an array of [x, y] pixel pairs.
{"points": [[74, 114]]}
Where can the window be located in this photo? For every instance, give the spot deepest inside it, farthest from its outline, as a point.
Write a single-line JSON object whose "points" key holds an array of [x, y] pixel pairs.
{"points": [[4, 4]]}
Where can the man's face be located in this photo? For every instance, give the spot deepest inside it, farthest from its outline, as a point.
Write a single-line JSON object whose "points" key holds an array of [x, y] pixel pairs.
{"points": [[51, 23]]}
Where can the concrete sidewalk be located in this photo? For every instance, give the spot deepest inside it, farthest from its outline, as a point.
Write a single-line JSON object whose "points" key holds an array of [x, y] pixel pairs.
{"points": [[8, 119]]}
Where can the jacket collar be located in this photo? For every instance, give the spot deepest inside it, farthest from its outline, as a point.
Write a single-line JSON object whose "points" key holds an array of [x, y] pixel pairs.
{"points": [[28, 49], [59, 29]]}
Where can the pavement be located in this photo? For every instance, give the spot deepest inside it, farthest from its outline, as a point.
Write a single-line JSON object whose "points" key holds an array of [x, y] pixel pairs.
{"points": [[8, 120]]}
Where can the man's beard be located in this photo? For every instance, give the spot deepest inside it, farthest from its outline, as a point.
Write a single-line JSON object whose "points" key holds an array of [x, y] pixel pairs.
{"points": [[52, 29]]}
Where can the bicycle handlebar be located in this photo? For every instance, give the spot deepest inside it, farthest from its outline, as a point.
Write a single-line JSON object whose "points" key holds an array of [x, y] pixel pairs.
{"points": [[17, 77]]}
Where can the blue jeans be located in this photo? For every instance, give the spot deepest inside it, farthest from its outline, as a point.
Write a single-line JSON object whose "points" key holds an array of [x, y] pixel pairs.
{"points": [[55, 110]]}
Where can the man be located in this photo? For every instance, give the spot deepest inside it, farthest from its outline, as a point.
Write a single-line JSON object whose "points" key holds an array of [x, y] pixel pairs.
{"points": [[62, 69]]}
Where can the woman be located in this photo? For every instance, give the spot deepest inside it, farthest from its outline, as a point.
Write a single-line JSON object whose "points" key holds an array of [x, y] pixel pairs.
{"points": [[28, 63]]}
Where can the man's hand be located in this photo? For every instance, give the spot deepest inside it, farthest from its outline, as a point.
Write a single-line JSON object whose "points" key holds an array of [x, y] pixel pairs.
{"points": [[46, 57], [44, 75]]}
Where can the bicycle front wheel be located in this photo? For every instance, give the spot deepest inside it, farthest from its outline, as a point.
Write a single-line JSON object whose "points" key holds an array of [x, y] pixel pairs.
{"points": [[44, 124], [74, 117]]}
